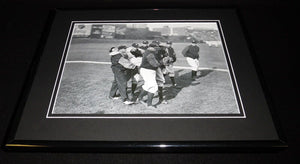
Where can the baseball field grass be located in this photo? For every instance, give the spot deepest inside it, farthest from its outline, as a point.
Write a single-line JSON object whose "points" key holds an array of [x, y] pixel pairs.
{"points": [[85, 84]]}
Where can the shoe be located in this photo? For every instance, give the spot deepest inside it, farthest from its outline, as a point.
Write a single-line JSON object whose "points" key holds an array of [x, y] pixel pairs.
{"points": [[138, 101], [128, 102], [143, 102], [163, 101], [176, 86], [113, 98], [200, 75], [151, 107]]}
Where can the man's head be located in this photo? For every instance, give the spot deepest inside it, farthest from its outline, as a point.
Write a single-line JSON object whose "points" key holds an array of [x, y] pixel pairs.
{"points": [[145, 42], [156, 42], [194, 42], [153, 45], [122, 49], [135, 46], [169, 43]]}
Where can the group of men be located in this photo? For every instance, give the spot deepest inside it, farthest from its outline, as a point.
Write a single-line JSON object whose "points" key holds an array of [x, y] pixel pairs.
{"points": [[150, 63]]}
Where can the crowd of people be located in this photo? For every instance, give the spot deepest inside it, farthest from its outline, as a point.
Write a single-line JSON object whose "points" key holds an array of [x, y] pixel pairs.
{"points": [[149, 63]]}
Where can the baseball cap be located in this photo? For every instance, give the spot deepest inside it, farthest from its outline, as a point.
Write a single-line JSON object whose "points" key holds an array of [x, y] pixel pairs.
{"points": [[145, 42], [153, 45], [135, 45], [151, 49], [122, 47], [156, 41]]}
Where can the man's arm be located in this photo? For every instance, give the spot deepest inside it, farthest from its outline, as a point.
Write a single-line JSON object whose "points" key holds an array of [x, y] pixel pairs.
{"points": [[184, 51], [173, 56]]}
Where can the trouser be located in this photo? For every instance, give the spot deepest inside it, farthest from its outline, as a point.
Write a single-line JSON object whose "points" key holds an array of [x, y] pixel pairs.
{"points": [[120, 82], [169, 70], [149, 76], [194, 63], [114, 88], [135, 78], [160, 79]]}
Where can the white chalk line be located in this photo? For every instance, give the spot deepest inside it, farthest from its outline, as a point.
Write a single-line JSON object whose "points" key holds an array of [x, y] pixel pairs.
{"points": [[176, 67]]}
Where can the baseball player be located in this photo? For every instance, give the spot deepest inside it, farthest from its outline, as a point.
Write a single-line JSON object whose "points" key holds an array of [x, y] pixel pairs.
{"points": [[148, 69], [191, 53], [120, 74], [160, 56], [135, 57], [113, 91], [169, 70]]}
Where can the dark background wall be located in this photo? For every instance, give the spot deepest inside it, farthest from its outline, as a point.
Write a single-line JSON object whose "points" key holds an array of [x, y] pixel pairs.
{"points": [[272, 32]]}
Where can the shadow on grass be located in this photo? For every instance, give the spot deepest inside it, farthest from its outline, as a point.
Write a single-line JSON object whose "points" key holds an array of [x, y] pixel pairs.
{"points": [[171, 92], [182, 81]]}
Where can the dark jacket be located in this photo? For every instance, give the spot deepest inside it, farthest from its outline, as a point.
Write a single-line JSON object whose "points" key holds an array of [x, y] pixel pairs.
{"points": [[161, 53], [149, 60], [171, 53], [191, 51]]}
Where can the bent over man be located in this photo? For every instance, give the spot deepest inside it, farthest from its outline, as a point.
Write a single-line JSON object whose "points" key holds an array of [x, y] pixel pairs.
{"points": [[148, 72]]}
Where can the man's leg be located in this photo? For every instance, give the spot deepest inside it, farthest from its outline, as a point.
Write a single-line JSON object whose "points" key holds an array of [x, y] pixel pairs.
{"points": [[150, 98], [160, 82], [171, 72], [160, 79], [141, 96], [160, 94], [194, 66], [133, 85], [122, 84], [114, 88], [194, 75], [173, 81], [198, 65], [135, 78]]}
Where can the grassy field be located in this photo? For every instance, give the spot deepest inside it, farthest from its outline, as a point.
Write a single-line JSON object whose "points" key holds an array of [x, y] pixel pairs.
{"points": [[84, 87]]}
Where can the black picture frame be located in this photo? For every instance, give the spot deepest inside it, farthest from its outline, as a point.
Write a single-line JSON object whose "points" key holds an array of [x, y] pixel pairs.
{"points": [[31, 131]]}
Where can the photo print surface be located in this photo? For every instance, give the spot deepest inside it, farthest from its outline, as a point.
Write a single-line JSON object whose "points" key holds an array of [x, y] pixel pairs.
{"points": [[146, 69]]}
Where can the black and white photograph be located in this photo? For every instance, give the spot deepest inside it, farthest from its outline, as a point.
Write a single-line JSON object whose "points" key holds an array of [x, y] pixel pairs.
{"points": [[146, 68], [144, 81]]}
